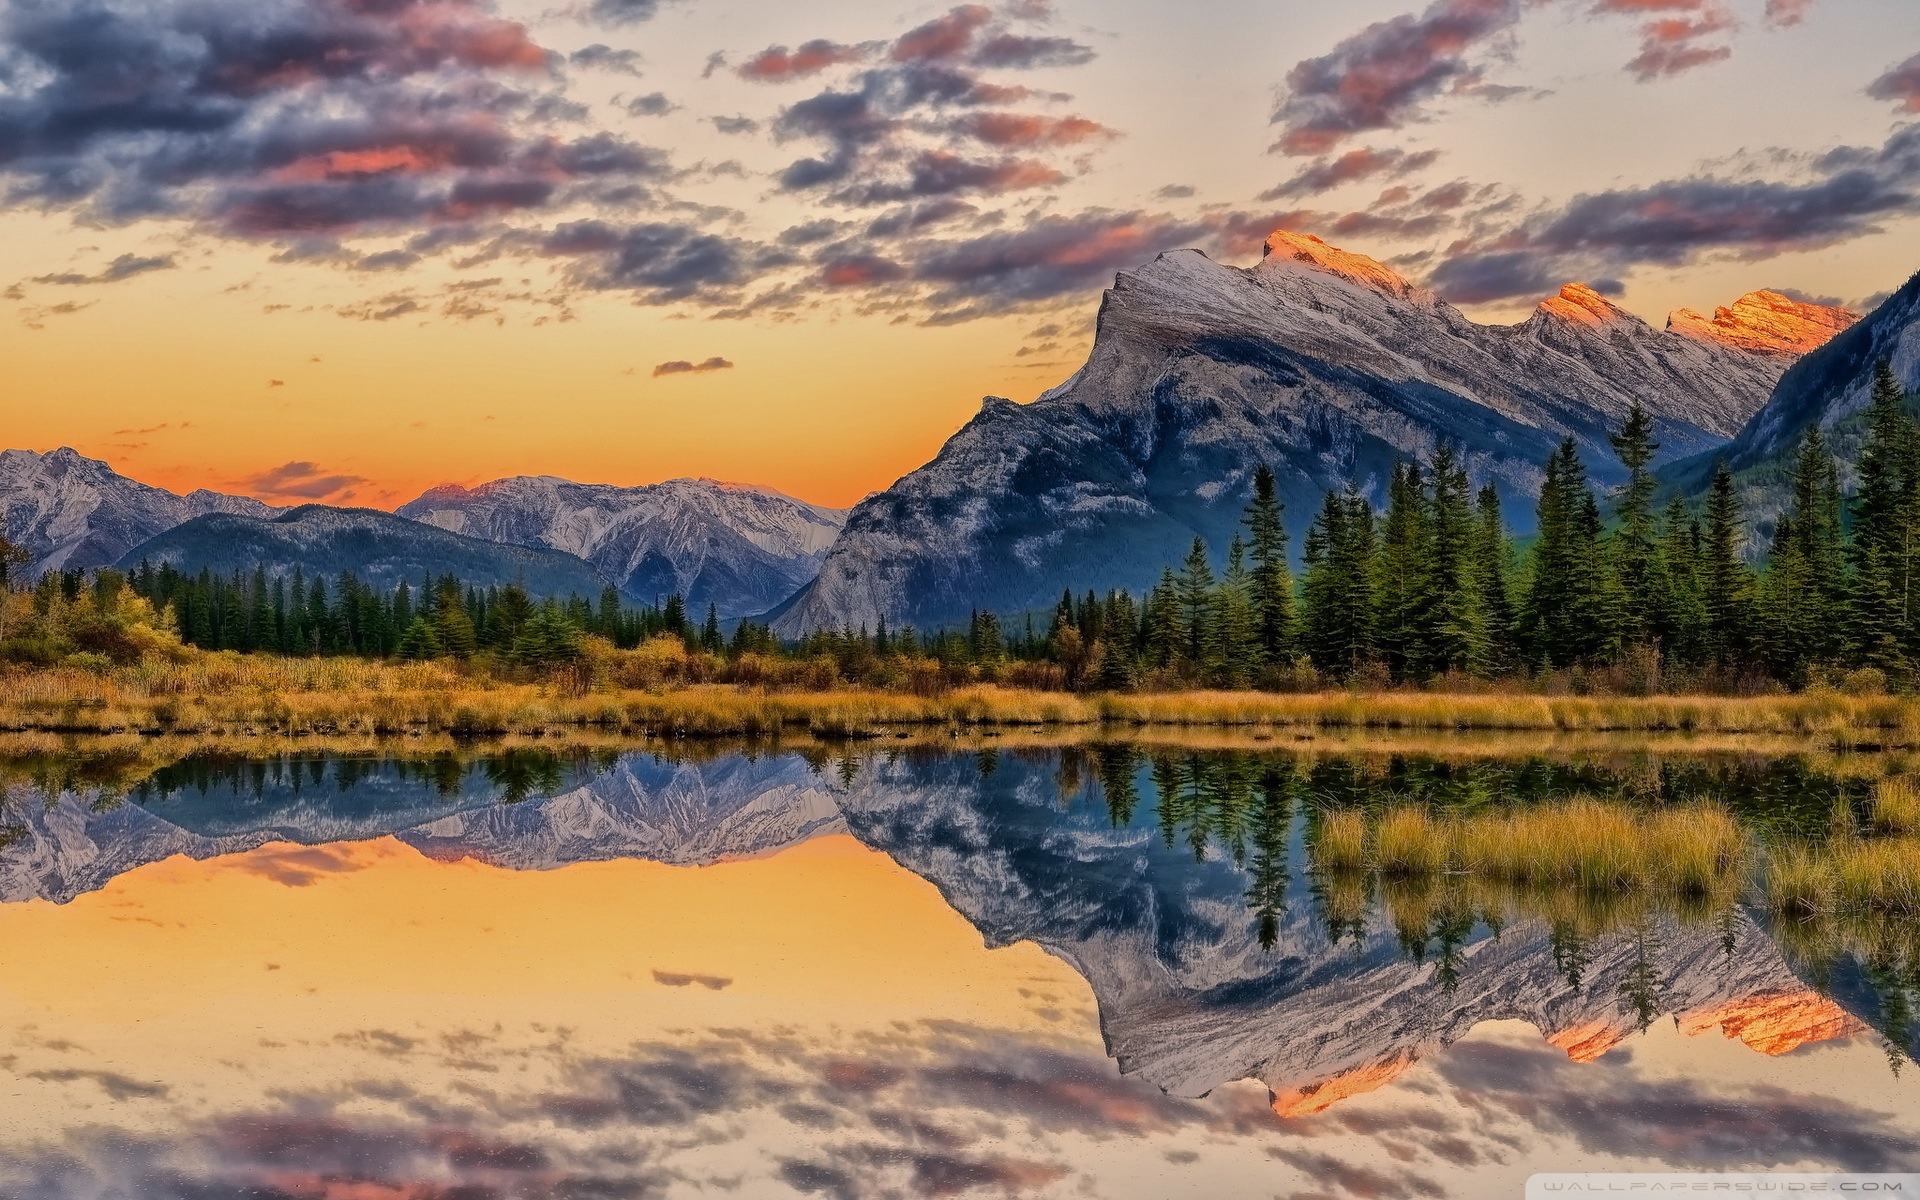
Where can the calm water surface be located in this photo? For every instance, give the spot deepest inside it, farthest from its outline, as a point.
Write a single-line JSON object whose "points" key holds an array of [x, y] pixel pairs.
{"points": [[1087, 972]]}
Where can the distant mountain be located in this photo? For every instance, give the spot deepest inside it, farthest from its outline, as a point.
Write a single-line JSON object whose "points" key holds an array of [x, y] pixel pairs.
{"points": [[1829, 387], [72, 512], [377, 546], [1325, 365], [742, 549]]}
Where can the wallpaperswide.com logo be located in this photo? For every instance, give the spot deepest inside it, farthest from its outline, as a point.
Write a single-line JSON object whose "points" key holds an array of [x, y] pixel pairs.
{"points": [[1755, 1183]]}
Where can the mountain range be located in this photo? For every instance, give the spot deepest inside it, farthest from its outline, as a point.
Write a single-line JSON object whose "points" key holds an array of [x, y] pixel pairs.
{"points": [[741, 549], [1324, 364], [380, 548], [72, 512]]}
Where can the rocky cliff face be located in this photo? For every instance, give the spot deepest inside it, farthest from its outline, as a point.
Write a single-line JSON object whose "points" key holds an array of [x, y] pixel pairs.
{"points": [[1829, 387], [741, 549], [1766, 322], [1322, 363], [72, 512]]}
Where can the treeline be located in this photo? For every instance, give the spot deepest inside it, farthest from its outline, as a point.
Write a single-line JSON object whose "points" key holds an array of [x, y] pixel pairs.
{"points": [[1433, 586], [438, 618]]}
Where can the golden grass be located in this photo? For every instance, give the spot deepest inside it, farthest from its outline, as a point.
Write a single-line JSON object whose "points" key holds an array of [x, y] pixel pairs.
{"points": [[258, 695], [1582, 843], [1896, 805], [1873, 877]]}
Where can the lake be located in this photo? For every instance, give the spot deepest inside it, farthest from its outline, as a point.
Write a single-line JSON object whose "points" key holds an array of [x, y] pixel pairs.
{"points": [[913, 969]]}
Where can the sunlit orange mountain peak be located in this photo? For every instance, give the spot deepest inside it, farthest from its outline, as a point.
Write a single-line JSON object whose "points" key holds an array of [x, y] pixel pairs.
{"points": [[1765, 322], [1310, 1098], [1582, 305], [1775, 1024], [1588, 1040], [1284, 245]]}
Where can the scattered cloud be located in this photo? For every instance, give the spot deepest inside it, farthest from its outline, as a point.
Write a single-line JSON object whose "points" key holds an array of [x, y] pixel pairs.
{"points": [[653, 104], [736, 125], [621, 12], [601, 57], [1901, 84], [1672, 43], [925, 122], [1378, 78], [777, 64], [677, 979], [1326, 173], [1842, 194], [682, 366], [124, 267], [1787, 12], [301, 481]]}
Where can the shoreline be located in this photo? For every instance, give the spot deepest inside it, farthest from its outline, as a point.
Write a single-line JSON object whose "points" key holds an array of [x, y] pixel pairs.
{"points": [[241, 697]]}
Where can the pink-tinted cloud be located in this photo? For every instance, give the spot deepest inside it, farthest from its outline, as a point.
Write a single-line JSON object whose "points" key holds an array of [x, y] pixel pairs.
{"points": [[1673, 43], [777, 64], [1377, 78], [945, 37], [1029, 129], [1901, 84], [1787, 12]]}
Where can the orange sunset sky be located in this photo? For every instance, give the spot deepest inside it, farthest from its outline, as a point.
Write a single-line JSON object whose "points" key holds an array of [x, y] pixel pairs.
{"points": [[344, 250]]}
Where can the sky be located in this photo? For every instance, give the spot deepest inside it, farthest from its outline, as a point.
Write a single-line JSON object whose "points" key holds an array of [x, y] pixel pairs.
{"points": [[346, 250]]}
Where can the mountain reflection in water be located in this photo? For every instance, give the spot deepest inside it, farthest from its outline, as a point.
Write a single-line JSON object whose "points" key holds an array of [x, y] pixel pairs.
{"points": [[1176, 884]]}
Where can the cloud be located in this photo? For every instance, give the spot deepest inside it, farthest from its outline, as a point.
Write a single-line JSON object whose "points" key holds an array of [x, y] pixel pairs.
{"points": [[124, 267], [312, 123], [1377, 78], [1787, 12], [681, 366], [736, 125], [1843, 193], [302, 481], [655, 261], [653, 104], [1028, 129], [1899, 83], [945, 37], [1326, 173], [1670, 45], [117, 1087], [622, 12], [676, 979], [777, 64], [605, 58]]}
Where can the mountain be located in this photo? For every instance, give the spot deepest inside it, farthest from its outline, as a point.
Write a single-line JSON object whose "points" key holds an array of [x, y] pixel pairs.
{"points": [[71, 512], [377, 546], [1324, 364], [742, 549], [1830, 387]]}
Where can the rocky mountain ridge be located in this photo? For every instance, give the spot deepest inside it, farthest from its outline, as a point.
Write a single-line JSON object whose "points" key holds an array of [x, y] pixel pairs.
{"points": [[71, 512], [380, 548], [742, 549], [1323, 363]]}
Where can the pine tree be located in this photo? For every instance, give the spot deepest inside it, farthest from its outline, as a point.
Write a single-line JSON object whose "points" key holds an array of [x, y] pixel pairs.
{"points": [[1877, 624], [1164, 641], [419, 641], [1272, 579], [1406, 586], [1235, 645], [1195, 592], [1633, 544], [710, 639], [1724, 575], [1338, 617]]}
